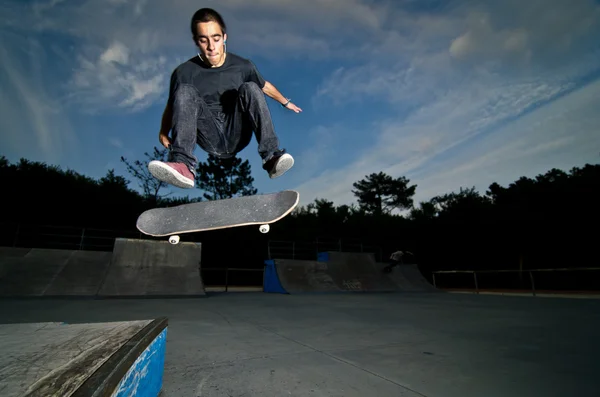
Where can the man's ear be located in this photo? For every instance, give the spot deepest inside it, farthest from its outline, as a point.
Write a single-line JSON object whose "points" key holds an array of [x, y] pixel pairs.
{"points": [[225, 37]]}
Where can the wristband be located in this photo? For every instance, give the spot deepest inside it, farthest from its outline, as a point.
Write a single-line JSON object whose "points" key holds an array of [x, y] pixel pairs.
{"points": [[287, 103]]}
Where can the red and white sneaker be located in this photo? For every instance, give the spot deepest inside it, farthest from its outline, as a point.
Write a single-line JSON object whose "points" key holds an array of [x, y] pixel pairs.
{"points": [[176, 174]]}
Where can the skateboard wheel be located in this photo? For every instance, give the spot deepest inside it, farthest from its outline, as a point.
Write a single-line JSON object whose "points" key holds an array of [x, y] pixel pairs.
{"points": [[174, 239], [264, 228]]}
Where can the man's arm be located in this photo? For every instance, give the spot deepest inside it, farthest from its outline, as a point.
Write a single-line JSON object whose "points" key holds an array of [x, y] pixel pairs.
{"points": [[270, 90], [165, 126], [167, 118], [166, 123]]}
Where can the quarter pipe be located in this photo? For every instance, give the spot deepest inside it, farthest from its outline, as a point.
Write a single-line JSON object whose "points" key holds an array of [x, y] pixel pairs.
{"points": [[341, 272], [83, 360]]}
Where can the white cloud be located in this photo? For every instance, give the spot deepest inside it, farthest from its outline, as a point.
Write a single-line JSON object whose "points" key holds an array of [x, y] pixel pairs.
{"points": [[116, 142], [559, 134], [480, 92], [562, 135], [452, 74], [448, 116], [320, 148], [482, 41], [263, 24], [33, 119], [118, 77], [116, 53], [540, 34], [124, 50]]}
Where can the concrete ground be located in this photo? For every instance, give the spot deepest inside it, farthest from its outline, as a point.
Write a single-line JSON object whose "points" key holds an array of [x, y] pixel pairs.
{"points": [[438, 345]]}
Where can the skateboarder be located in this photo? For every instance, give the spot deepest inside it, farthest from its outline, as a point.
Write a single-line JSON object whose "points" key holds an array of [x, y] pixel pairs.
{"points": [[216, 99], [395, 260]]}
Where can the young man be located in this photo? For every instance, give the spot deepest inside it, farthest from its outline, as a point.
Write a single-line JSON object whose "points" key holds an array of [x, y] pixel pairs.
{"points": [[216, 100], [395, 260]]}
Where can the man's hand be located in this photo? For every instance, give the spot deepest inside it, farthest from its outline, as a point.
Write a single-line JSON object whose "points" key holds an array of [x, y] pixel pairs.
{"points": [[164, 139], [293, 107]]}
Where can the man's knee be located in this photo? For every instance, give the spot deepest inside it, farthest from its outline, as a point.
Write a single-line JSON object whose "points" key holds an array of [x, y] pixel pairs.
{"points": [[250, 88], [185, 95]]}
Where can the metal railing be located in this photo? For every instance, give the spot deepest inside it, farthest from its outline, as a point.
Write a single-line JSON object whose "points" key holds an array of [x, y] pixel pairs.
{"points": [[529, 272], [227, 271], [308, 250], [77, 238], [62, 237]]}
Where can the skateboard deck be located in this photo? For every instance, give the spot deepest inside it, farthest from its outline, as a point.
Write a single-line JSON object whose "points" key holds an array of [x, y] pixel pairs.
{"points": [[260, 209]]}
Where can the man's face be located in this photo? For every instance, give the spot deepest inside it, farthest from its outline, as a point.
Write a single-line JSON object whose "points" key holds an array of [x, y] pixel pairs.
{"points": [[210, 41]]}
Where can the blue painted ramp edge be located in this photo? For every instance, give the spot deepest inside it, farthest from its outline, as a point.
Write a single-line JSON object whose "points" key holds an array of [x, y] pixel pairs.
{"points": [[271, 281], [323, 257], [145, 376]]}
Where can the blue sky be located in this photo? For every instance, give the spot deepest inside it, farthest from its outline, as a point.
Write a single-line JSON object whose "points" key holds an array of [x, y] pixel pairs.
{"points": [[449, 94]]}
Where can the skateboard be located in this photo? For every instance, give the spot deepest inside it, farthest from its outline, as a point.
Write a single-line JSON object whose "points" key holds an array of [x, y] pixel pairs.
{"points": [[260, 209]]}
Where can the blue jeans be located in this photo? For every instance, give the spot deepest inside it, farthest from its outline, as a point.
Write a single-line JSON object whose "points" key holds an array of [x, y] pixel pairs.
{"points": [[220, 134]]}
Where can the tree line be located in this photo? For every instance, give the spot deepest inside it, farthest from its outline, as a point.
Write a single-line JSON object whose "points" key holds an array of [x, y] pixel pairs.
{"points": [[544, 221]]}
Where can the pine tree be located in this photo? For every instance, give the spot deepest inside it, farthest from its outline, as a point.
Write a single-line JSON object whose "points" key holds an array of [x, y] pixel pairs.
{"points": [[380, 193], [225, 178]]}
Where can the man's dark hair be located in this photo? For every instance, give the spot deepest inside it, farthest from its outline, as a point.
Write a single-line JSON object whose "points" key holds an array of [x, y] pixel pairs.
{"points": [[207, 15]]}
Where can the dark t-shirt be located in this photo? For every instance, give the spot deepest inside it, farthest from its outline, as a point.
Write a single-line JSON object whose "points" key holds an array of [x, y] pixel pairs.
{"points": [[217, 86]]}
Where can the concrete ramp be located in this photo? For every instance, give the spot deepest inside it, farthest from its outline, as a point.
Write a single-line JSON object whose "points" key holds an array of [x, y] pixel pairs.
{"points": [[143, 268], [96, 359], [410, 278], [81, 275], [36, 272], [293, 276], [153, 268], [13, 252], [341, 272], [31, 274]]}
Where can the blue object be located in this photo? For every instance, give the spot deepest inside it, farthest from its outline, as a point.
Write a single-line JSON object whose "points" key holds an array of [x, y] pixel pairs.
{"points": [[271, 281], [323, 256], [145, 377]]}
